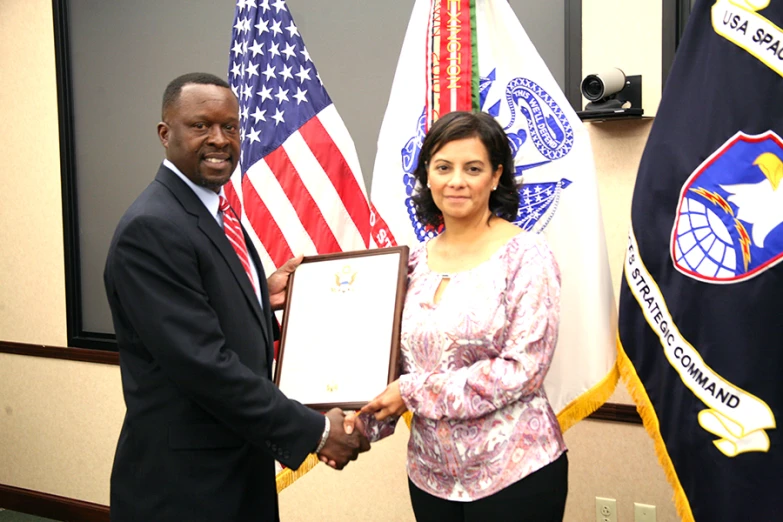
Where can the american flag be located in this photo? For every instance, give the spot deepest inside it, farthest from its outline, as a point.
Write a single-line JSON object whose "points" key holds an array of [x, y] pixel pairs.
{"points": [[299, 187]]}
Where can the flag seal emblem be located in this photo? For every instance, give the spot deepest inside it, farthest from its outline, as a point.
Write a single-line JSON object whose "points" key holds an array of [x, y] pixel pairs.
{"points": [[548, 127], [538, 203], [410, 157], [549, 131], [727, 227]]}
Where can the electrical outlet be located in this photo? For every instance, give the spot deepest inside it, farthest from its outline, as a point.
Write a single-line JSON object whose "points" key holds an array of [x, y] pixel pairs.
{"points": [[643, 512], [605, 509]]}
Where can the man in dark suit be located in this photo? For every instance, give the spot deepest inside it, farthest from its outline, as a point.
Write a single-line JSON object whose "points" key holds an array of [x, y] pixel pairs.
{"points": [[194, 325]]}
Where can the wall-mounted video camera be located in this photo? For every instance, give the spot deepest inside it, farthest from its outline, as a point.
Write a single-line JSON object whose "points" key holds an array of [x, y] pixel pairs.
{"points": [[612, 92]]}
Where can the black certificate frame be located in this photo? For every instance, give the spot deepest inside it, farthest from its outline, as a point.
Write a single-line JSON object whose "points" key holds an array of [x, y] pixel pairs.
{"points": [[393, 343]]}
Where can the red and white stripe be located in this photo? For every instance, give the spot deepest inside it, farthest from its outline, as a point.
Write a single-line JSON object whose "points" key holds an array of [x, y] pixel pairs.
{"points": [[307, 196]]}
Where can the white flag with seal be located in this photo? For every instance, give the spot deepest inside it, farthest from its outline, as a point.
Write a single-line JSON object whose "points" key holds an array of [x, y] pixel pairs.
{"points": [[475, 55]]}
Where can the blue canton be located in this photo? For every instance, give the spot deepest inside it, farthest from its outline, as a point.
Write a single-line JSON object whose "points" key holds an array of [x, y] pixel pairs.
{"points": [[273, 77]]}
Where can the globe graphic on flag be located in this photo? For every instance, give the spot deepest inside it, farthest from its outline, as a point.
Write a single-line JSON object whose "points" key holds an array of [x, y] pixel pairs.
{"points": [[702, 243]]}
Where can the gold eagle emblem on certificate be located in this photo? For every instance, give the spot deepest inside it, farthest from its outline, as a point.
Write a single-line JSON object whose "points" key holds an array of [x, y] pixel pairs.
{"points": [[344, 280]]}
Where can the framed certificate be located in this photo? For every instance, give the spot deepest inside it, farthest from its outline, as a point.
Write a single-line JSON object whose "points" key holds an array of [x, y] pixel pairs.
{"points": [[341, 327]]}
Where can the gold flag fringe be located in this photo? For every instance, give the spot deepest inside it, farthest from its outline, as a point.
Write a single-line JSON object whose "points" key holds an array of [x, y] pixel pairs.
{"points": [[650, 420], [288, 476], [589, 401]]}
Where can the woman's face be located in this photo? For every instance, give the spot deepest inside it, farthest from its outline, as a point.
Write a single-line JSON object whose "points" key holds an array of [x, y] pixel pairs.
{"points": [[461, 179]]}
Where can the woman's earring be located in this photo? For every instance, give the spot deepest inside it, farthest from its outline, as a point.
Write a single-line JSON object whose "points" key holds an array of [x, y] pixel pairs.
{"points": [[495, 187], [428, 185]]}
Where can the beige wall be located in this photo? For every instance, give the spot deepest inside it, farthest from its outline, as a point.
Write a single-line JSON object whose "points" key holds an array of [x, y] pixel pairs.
{"points": [[32, 283], [59, 419], [59, 422], [625, 34], [617, 148]]}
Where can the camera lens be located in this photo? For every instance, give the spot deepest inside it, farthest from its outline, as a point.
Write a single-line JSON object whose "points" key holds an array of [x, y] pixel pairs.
{"points": [[593, 88]]}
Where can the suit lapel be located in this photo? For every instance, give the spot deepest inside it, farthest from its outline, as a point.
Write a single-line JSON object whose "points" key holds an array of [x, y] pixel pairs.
{"points": [[207, 224]]}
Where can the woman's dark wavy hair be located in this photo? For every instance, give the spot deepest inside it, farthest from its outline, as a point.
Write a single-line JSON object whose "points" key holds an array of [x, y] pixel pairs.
{"points": [[459, 125]]}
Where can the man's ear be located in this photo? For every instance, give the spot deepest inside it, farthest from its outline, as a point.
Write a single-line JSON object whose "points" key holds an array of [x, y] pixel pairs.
{"points": [[163, 134]]}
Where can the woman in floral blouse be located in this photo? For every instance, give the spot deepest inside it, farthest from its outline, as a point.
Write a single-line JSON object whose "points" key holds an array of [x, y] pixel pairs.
{"points": [[479, 330]]}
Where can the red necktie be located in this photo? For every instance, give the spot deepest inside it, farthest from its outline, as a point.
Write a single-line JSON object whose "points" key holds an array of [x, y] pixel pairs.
{"points": [[233, 231]]}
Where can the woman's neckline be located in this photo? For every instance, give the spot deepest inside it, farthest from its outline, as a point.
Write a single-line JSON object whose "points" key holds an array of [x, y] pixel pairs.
{"points": [[497, 253]]}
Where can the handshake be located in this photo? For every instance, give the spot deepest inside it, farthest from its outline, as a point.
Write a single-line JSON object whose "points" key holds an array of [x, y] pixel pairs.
{"points": [[348, 434], [345, 441]]}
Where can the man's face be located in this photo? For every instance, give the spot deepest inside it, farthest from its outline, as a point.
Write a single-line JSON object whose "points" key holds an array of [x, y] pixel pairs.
{"points": [[200, 132]]}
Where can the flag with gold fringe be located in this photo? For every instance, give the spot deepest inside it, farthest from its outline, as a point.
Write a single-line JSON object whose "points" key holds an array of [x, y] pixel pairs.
{"points": [[475, 55], [299, 187], [699, 337]]}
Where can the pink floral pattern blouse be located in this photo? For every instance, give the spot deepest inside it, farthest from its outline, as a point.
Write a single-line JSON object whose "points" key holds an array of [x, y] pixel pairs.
{"points": [[474, 367]]}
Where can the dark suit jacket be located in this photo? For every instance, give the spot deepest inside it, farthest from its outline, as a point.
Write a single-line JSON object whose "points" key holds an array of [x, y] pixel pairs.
{"points": [[204, 421]]}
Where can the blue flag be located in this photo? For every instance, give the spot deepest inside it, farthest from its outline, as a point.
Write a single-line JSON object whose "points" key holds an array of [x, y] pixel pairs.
{"points": [[701, 293]]}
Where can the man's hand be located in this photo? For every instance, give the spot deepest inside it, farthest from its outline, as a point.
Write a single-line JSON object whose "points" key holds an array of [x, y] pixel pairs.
{"points": [[278, 282], [342, 447], [388, 403]]}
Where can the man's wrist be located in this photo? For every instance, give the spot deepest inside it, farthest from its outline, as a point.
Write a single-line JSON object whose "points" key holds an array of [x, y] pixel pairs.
{"points": [[324, 435]]}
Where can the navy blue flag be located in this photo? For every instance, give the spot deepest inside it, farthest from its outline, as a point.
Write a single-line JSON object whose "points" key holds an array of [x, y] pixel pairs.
{"points": [[701, 341]]}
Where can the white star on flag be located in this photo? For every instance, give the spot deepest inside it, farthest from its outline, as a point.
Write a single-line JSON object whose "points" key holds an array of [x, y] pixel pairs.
{"points": [[265, 93], [256, 48], [303, 74], [288, 51], [258, 115], [253, 135], [286, 73], [301, 96], [282, 95]]}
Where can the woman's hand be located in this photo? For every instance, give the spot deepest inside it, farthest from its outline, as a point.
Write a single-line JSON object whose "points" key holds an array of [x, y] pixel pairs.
{"points": [[352, 421], [387, 403]]}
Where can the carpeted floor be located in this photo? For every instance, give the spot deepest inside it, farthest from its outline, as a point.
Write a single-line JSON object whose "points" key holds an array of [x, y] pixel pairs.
{"points": [[13, 516]]}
